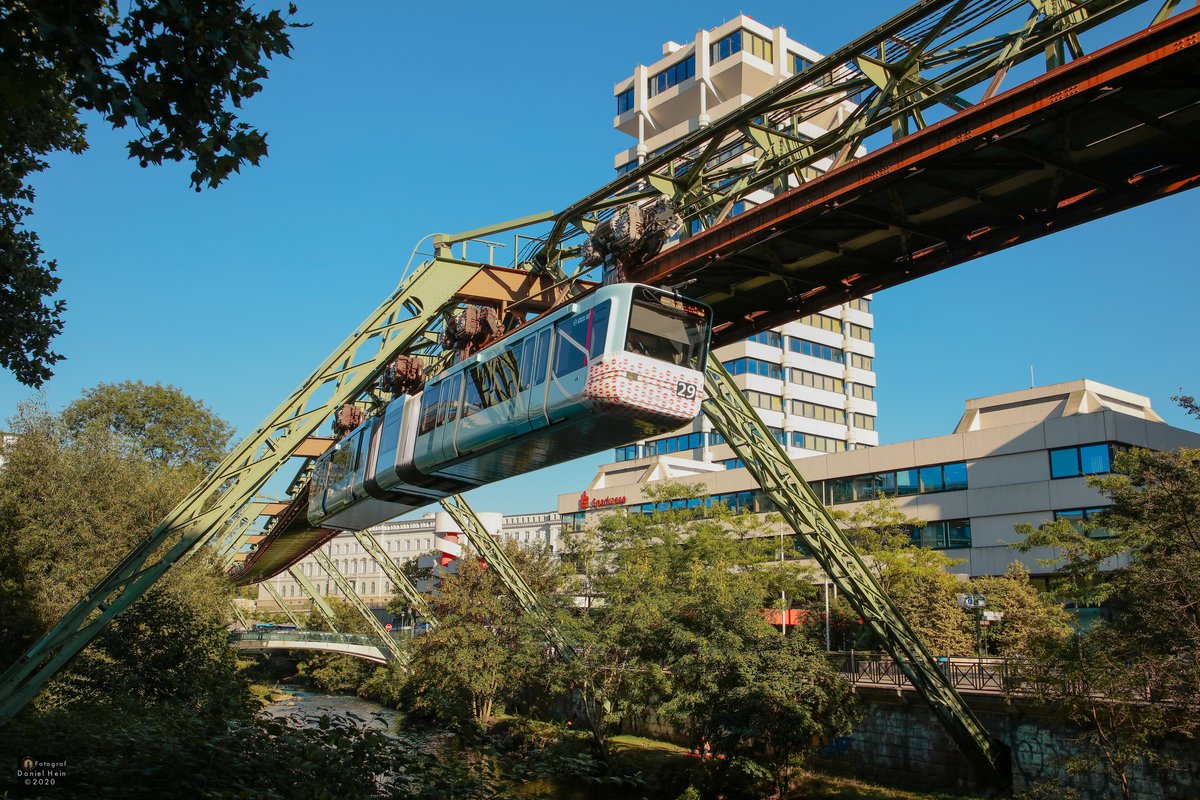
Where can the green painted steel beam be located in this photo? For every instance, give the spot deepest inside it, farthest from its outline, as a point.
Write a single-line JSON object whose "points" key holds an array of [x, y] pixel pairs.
{"points": [[734, 418], [397, 325], [403, 585], [319, 603], [492, 552], [239, 616], [271, 590], [348, 590]]}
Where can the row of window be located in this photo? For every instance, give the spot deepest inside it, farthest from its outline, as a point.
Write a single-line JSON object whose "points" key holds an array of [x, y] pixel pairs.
{"points": [[806, 348], [672, 75], [1084, 519], [818, 411], [1072, 462], [860, 332], [754, 366], [817, 381], [917, 480], [822, 444], [770, 402], [946, 534], [738, 41], [862, 391], [625, 101], [823, 322]]}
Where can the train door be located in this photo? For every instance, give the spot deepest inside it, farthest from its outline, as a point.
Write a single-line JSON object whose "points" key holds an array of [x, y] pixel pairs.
{"points": [[447, 425], [535, 360], [568, 372]]}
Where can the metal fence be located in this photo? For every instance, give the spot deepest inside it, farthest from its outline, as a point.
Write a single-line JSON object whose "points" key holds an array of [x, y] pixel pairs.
{"points": [[990, 675]]}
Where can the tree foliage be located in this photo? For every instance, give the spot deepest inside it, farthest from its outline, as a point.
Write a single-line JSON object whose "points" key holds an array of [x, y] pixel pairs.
{"points": [[72, 503], [675, 628], [1029, 621], [178, 73], [1134, 679], [160, 423], [917, 579]]}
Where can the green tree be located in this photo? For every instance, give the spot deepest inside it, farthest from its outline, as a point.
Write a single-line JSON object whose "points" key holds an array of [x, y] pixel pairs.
{"points": [[160, 423], [484, 647], [1103, 677], [1028, 618], [676, 628], [176, 72], [917, 579], [71, 505]]}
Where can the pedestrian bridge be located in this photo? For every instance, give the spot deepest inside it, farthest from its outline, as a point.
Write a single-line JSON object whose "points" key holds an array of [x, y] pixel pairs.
{"points": [[368, 648]]}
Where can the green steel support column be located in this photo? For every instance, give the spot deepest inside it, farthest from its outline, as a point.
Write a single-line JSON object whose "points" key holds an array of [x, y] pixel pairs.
{"points": [[271, 590], [348, 589], [396, 576], [241, 618], [498, 560], [734, 418], [319, 604], [397, 325]]}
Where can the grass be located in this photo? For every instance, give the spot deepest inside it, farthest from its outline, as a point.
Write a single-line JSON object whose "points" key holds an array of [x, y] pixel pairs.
{"points": [[815, 786]]}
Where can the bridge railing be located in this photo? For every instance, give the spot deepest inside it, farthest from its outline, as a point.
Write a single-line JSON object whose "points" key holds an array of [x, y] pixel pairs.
{"points": [[324, 637], [989, 675]]}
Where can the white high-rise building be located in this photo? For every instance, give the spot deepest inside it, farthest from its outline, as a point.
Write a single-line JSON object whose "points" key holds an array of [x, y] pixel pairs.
{"points": [[813, 381]]}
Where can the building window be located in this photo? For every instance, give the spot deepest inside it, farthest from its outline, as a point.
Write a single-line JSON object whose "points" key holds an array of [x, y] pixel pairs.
{"points": [[816, 380], [861, 304], [754, 366], [859, 332], [1084, 520], [943, 535], [625, 101], [770, 402], [770, 338], [629, 453], [822, 444], [864, 422], [806, 348], [862, 362], [862, 391], [817, 411], [918, 480], [823, 322], [629, 166], [672, 75], [1072, 462], [674, 444], [799, 63]]}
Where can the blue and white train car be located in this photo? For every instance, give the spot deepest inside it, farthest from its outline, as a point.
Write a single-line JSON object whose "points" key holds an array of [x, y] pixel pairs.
{"points": [[618, 364]]}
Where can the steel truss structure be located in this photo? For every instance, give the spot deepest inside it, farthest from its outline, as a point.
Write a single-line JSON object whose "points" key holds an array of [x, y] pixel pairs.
{"points": [[271, 590], [347, 587], [403, 585], [319, 603], [734, 418]]}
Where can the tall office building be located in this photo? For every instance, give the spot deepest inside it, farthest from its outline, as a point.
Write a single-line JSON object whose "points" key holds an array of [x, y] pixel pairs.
{"points": [[813, 381]]}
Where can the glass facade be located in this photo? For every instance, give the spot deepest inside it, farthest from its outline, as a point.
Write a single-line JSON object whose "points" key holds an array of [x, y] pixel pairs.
{"points": [[807, 348], [740, 40], [816, 380], [771, 338], [625, 101], [754, 366], [945, 535], [919, 480], [1084, 520]]}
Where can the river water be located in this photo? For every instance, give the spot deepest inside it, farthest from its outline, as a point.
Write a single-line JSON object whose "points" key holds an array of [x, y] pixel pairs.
{"points": [[306, 704]]}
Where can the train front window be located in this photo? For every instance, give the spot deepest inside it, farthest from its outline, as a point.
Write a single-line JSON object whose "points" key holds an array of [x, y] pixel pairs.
{"points": [[666, 334]]}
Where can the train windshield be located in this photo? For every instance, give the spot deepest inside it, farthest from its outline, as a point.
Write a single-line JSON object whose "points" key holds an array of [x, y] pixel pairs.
{"points": [[667, 329]]}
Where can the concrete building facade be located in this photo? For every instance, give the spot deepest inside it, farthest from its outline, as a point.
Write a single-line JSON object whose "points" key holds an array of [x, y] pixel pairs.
{"points": [[1021, 456], [813, 380]]}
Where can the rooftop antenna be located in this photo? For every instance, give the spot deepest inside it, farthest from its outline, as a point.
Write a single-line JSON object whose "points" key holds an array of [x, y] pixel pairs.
{"points": [[1032, 382]]}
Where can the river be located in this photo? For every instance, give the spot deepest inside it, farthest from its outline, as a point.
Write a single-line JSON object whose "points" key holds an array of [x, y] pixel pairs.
{"points": [[304, 703]]}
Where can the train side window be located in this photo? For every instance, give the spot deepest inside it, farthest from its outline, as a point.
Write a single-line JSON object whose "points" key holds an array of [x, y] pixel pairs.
{"points": [[570, 350], [528, 361], [543, 357], [430, 401], [476, 388], [598, 329], [450, 392], [496, 380]]}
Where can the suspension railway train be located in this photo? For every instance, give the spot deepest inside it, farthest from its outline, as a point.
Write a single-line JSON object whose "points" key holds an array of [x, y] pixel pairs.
{"points": [[616, 365]]}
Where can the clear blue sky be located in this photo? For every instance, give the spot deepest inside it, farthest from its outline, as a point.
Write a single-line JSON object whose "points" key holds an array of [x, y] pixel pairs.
{"points": [[394, 120]]}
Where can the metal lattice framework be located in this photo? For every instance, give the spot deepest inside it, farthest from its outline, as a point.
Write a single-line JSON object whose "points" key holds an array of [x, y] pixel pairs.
{"points": [[734, 418], [347, 587], [932, 60], [488, 547], [319, 603], [403, 585], [271, 590]]}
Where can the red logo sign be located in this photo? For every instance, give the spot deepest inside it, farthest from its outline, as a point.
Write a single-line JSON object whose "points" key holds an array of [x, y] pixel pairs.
{"points": [[603, 502]]}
